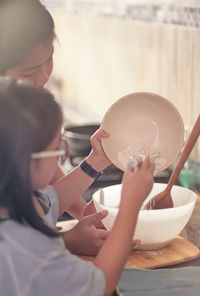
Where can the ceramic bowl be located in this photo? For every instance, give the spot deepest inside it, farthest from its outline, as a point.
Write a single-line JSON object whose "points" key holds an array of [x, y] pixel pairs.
{"points": [[143, 123], [155, 228]]}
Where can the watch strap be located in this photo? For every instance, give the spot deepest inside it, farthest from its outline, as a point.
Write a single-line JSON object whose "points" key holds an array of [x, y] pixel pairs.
{"points": [[89, 170]]}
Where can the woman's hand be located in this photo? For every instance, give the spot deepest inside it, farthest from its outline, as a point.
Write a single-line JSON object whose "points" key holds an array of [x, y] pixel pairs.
{"points": [[97, 158], [84, 238]]}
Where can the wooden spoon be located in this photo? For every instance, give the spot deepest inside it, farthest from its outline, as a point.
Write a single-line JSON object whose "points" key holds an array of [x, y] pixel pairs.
{"points": [[163, 199]]}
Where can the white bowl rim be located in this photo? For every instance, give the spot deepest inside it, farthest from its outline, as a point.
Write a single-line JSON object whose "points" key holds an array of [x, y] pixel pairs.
{"points": [[193, 199]]}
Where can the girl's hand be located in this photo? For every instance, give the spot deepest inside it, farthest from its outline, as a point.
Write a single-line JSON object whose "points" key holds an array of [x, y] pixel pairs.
{"points": [[135, 244], [97, 158], [90, 209], [138, 181], [84, 238]]}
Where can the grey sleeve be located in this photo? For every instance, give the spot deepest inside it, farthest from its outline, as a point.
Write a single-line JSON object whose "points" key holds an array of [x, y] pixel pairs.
{"points": [[50, 197]]}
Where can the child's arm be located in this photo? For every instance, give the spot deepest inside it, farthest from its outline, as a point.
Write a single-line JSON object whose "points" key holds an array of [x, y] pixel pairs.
{"points": [[84, 238], [137, 184], [70, 187], [77, 208]]}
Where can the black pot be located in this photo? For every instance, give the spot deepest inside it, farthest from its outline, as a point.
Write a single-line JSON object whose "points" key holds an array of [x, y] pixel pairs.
{"points": [[79, 139]]}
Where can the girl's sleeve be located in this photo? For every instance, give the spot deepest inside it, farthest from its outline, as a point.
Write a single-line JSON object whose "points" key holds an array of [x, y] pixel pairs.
{"points": [[50, 197]]}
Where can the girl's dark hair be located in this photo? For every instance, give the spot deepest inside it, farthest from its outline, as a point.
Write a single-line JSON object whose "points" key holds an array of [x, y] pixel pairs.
{"points": [[29, 120], [24, 24]]}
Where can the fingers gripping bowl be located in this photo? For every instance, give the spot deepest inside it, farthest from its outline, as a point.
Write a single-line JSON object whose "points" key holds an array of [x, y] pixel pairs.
{"points": [[156, 228]]}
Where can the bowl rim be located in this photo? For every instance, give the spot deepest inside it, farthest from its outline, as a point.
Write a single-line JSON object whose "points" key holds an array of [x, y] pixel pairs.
{"points": [[194, 199]]}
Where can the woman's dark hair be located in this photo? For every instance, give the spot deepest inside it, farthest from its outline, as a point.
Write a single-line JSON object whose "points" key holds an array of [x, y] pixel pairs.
{"points": [[24, 24], [29, 120]]}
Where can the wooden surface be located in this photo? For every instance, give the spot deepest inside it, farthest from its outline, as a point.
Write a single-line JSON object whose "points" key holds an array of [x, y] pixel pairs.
{"points": [[178, 251]]}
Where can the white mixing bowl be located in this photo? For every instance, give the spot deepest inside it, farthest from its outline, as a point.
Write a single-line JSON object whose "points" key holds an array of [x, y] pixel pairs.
{"points": [[137, 127], [155, 228]]}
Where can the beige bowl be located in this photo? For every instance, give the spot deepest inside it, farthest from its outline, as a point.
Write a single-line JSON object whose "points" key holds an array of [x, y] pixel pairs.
{"points": [[143, 123], [155, 228]]}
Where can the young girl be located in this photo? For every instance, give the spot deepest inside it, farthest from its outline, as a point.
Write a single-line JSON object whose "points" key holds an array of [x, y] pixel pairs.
{"points": [[27, 36], [33, 257]]}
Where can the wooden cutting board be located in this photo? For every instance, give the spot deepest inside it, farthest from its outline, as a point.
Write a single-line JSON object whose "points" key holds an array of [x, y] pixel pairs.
{"points": [[178, 251]]}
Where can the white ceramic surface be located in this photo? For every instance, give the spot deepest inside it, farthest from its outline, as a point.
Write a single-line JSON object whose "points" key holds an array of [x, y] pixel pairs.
{"points": [[143, 123], [155, 228]]}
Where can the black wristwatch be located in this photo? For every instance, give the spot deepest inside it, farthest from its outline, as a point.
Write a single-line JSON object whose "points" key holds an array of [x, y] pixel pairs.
{"points": [[89, 170]]}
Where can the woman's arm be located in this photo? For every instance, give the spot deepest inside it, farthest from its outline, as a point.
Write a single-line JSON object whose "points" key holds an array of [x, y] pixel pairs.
{"points": [[84, 238], [137, 184], [70, 187]]}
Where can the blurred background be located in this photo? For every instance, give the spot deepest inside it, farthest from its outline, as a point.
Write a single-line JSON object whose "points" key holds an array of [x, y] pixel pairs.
{"points": [[107, 49]]}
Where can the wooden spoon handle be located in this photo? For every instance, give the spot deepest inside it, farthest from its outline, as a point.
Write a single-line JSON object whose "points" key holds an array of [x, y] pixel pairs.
{"points": [[185, 153]]}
